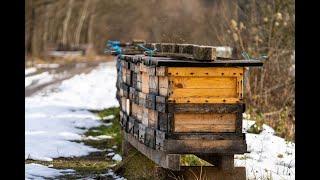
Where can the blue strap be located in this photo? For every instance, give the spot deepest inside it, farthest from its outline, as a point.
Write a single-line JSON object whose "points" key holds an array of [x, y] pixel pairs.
{"points": [[115, 45], [149, 52]]}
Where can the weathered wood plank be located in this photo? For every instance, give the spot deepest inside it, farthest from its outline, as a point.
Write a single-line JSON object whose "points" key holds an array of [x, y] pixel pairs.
{"points": [[208, 136], [131, 93], [123, 104], [145, 83], [206, 108], [203, 93], [134, 110], [163, 85], [163, 121], [200, 146], [136, 129], [206, 71], [145, 116], [142, 133], [150, 138], [160, 137], [161, 71], [154, 85], [139, 81], [130, 125], [128, 107], [161, 104], [153, 119], [169, 161], [142, 99], [151, 101], [139, 110], [128, 76], [134, 80], [125, 89], [202, 82], [204, 122]]}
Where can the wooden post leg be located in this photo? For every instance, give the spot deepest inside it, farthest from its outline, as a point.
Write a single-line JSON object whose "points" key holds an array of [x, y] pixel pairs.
{"points": [[223, 162], [226, 162]]}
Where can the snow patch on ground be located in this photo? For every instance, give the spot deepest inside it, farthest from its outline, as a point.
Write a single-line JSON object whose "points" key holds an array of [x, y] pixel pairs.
{"points": [[270, 156], [51, 66], [30, 70], [37, 171], [117, 157], [41, 78], [53, 120], [97, 138]]}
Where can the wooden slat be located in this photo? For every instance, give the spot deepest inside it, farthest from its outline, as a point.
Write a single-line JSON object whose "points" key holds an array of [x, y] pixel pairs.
{"points": [[204, 122], [134, 110], [160, 137], [202, 146], [209, 136], [205, 71], [142, 133], [204, 82], [204, 118], [163, 85], [145, 83], [152, 119], [145, 116], [203, 93], [165, 160], [139, 111], [163, 121], [161, 71], [205, 100], [153, 85], [206, 108], [204, 128], [150, 139], [151, 101], [142, 99]]}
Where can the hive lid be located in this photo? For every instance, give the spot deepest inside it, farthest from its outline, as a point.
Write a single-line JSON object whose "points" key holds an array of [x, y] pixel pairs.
{"points": [[173, 62]]}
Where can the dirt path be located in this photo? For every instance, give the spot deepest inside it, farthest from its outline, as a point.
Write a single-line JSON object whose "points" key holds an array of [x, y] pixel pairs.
{"points": [[65, 71]]}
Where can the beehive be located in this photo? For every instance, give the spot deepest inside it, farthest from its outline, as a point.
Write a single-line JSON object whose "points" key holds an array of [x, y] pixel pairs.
{"points": [[176, 106]]}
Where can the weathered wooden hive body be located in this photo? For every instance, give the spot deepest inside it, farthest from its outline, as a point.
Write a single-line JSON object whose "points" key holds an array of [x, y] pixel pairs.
{"points": [[171, 106]]}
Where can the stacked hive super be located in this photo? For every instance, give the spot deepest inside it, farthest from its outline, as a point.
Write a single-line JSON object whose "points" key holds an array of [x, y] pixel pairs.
{"points": [[189, 104]]}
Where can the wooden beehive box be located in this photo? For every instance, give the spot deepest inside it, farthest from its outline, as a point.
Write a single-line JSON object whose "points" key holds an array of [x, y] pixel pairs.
{"points": [[171, 106]]}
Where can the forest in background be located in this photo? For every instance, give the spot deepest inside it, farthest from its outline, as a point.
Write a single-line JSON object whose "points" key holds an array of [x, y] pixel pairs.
{"points": [[264, 27]]}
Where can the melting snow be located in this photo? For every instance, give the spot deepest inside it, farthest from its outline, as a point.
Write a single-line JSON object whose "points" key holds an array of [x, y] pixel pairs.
{"points": [[270, 156], [54, 119], [37, 171], [117, 157], [30, 70]]}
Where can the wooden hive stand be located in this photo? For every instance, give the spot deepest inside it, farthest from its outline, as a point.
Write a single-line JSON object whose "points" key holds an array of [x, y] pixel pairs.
{"points": [[173, 106]]}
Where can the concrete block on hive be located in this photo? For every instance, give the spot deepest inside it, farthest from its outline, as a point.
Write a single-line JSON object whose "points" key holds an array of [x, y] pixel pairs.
{"points": [[206, 53]]}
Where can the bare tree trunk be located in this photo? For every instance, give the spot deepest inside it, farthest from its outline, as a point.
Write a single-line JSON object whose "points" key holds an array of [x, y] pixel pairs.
{"points": [[81, 21], [91, 20], [66, 22], [46, 24], [33, 36]]}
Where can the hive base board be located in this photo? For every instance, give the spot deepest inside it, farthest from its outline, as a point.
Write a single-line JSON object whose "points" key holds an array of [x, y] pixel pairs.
{"points": [[204, 146], [165, 160]]}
